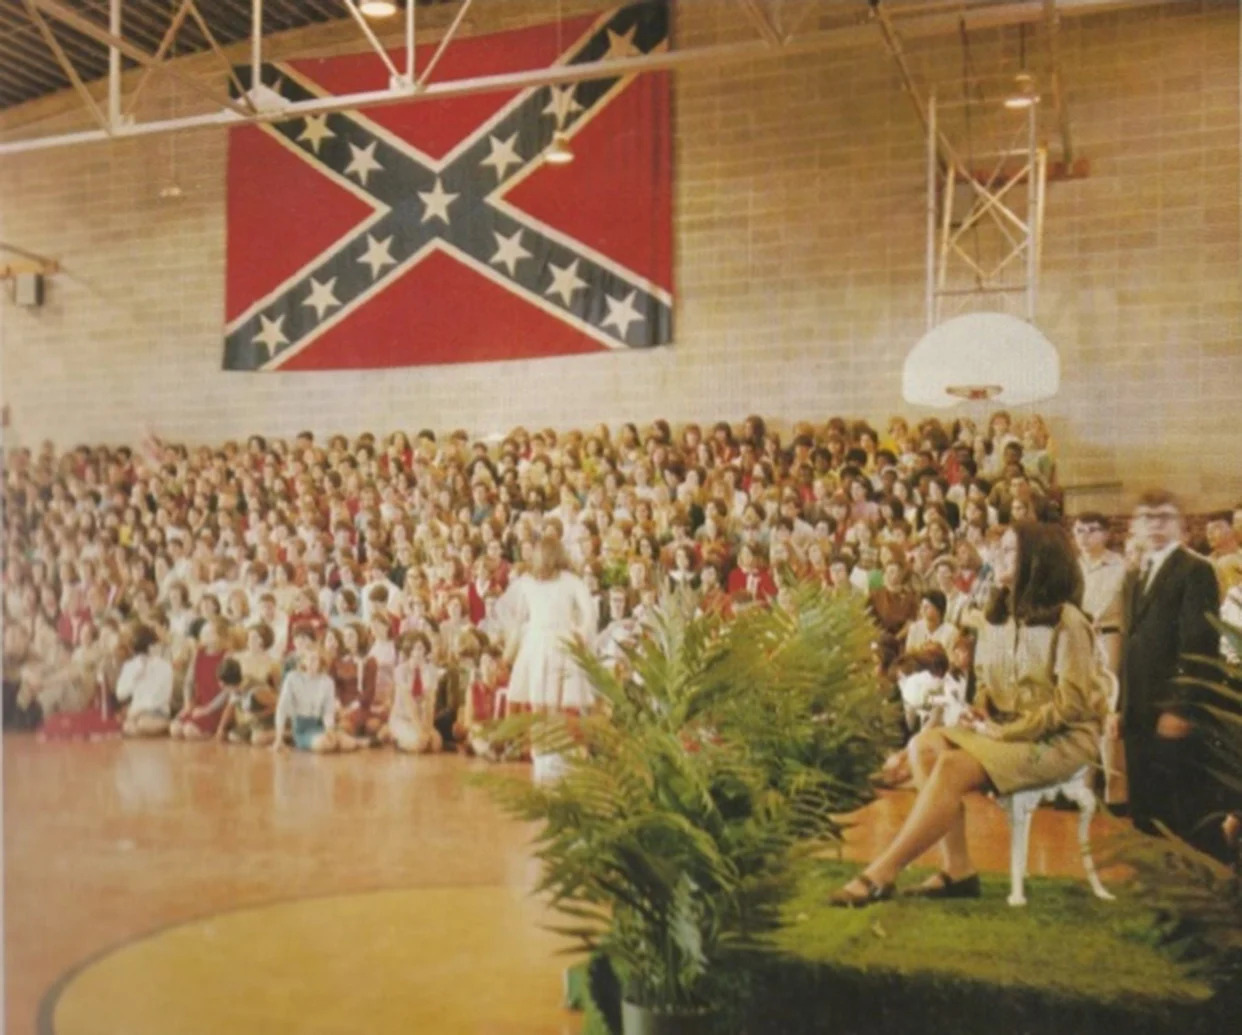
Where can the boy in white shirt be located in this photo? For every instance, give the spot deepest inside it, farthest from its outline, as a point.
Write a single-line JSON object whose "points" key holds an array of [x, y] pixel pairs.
{"points": [[146, 681]]}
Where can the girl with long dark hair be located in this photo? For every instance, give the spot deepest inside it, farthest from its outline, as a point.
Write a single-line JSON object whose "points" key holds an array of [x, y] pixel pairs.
{"points": [[1038, 710]]}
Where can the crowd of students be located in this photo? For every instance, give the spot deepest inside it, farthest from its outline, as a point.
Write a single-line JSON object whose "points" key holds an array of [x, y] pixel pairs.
{"points": [[337, 594]]}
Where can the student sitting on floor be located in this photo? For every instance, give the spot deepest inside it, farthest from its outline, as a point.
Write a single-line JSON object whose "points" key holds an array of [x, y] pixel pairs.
{"points": [[249, 716], [146, 682], [410, 725], [307, 704], [204, 700], [485, 703]]}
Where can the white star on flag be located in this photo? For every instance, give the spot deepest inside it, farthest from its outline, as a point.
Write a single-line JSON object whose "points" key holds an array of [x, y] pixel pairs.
{"points": [[378, 255], [562, 104], [621, 314], [503, 154], [436, 202], [565, 281], [621, 46], [316, 131], [271, 334], [363, 162], [509, 251], [322, 297]]}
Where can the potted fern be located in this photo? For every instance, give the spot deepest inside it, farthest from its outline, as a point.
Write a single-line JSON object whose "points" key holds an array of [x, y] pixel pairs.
{"points": [[714, 770]]}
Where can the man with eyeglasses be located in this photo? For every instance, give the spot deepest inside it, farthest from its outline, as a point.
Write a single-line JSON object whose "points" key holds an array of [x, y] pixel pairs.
{"points": [[1104, 579], [1167, 619]]}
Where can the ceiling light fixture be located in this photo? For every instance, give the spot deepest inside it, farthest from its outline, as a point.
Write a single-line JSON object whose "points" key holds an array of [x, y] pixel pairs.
{"points": [[378, 8], [559, 152], [1024, 94]]}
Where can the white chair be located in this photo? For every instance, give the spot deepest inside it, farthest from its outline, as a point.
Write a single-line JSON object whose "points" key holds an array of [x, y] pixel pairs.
{"points": [[1020, 809]]}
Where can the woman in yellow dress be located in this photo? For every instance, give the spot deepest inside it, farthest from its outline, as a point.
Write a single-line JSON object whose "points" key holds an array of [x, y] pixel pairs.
{"points": [[1042, 694]]}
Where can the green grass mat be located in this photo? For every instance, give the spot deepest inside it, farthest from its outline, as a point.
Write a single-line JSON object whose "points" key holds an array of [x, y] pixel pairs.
{"points": [[1065, 963], [1064, 940]]}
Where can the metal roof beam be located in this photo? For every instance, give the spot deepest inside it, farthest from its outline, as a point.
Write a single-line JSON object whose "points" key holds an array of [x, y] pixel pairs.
{"points": [[852, 36], [62, 59], [170, 34], [89, 29]]}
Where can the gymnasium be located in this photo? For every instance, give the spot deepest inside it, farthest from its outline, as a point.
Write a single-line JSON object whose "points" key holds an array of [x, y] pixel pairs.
{"points": [[323, 318]]}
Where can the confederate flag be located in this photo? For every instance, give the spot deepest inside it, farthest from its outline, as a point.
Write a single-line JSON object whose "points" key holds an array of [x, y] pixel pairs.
{"points": [[435, 232]]}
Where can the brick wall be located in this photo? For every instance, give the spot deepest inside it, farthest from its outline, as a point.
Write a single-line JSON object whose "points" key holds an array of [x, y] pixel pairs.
{"points": [[799, 243]]}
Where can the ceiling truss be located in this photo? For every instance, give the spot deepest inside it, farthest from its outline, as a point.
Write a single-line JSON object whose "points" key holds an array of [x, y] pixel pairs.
{"points": [[73, 36]]}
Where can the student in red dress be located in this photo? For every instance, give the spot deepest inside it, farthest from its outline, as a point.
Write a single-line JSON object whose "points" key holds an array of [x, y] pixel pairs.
{"points": [[203, 697], [751, 576], [308, 614]]}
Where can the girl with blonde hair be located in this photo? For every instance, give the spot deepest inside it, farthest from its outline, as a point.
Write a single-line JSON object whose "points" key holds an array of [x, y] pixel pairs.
{"points": [[554, 606]]}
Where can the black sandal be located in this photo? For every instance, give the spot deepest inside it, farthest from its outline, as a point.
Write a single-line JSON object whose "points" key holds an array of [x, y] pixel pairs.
{"points": [[853, 900], [963, 887]]}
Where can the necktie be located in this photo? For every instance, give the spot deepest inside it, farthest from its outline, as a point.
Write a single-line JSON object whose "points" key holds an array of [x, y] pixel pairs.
{"points": [[418, 683], [1148, 566]]}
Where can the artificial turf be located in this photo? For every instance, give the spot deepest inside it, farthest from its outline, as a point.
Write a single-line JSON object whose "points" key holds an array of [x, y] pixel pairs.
{"points": [[1065, 963]]}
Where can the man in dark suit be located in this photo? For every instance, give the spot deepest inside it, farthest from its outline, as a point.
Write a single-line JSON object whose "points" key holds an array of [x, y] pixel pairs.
{"points": [[1167, 611]]}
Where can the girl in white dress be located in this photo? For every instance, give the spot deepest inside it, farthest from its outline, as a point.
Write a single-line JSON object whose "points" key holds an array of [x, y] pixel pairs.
{"points": [[554, 605]]}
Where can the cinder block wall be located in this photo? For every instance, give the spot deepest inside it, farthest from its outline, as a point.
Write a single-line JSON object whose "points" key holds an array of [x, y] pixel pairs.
{"points": [[799, 239]]}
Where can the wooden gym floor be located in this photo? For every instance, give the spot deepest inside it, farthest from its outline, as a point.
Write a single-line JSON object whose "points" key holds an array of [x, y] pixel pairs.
{"points": [[158, 887]]}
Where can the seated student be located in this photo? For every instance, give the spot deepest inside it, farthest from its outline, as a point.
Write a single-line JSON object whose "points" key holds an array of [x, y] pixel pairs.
{"points": [[959, 684], [301, 638], [256, 661], [620, 632], [91, 717], [349, 672], [484, 704], [944, 577], [250, 715], [277, 621], [922, 684], [307, 706], [380, 667], [308, 613], [146, 683], [713, 599], [682, 581], [347, 609], [454, 623], [460, 663], [411, 726], [931, 626], [203, 700], [894, 606], [751, 576], [648, 606]]}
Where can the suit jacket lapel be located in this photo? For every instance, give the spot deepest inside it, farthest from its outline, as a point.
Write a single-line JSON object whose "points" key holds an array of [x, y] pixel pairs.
{"points": [[1148, 594]]}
